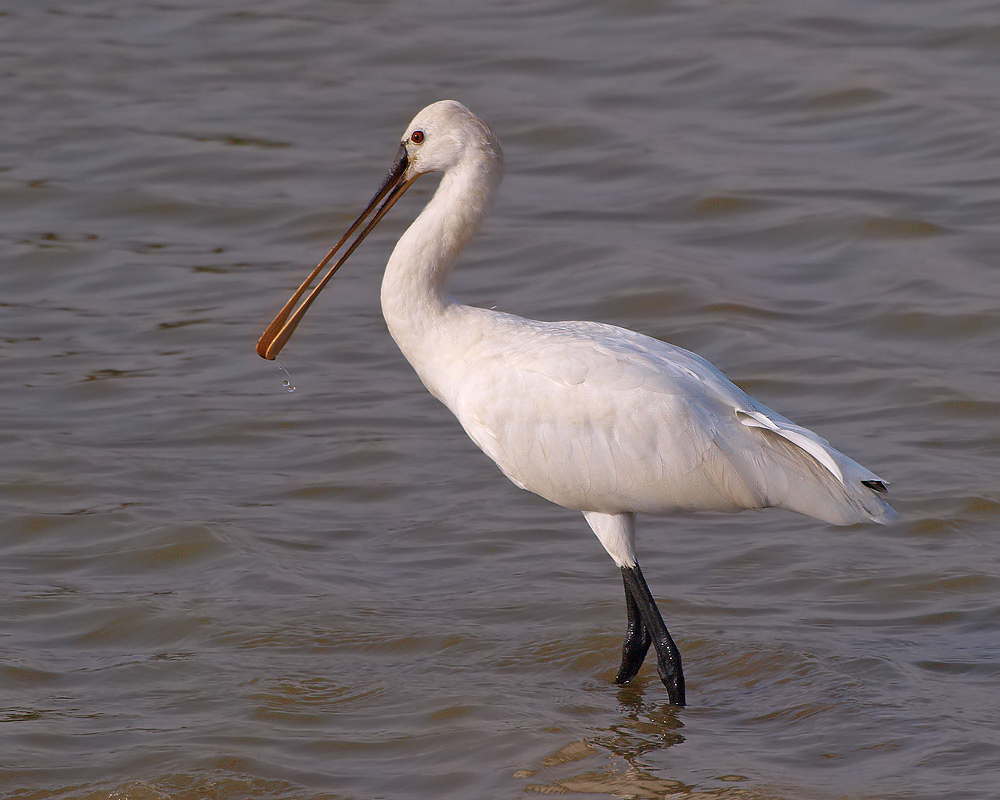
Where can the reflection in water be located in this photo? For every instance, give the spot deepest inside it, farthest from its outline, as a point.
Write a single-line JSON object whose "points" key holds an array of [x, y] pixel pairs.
{"points": [[643, 733], [644, 726]]}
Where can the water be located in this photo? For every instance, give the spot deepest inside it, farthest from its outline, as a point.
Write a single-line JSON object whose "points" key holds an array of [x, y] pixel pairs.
{"points": [[287, 380], [212, 587]]}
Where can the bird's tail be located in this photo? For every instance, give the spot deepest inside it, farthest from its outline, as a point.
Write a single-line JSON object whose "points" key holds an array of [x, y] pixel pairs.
{"points": [[807, 475]]}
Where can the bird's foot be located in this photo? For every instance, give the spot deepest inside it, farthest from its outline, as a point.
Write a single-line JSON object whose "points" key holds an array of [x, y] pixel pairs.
{"points": [[634, 649], [673, 680], [644, 615]]}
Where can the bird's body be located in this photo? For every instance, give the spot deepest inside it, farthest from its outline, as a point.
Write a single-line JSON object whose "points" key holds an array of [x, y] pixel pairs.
{"points": [[590, 416], [599, 418]]}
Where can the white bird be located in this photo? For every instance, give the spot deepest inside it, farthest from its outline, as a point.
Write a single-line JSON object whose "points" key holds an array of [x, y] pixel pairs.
{"points": [[590, 416]]}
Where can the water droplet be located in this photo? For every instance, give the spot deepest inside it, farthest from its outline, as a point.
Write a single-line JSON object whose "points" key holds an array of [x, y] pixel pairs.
{"points": [[287, 382]]}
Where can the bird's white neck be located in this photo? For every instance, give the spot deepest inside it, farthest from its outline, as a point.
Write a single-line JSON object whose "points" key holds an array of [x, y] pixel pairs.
{"points": [[415, 300]]}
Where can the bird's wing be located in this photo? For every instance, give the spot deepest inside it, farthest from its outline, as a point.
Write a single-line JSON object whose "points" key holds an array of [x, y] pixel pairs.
{"points": [[601, 418], [788, 465]]}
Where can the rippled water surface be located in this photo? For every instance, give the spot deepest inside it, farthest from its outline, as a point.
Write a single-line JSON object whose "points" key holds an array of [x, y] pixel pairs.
{"points": [[213, 588]]}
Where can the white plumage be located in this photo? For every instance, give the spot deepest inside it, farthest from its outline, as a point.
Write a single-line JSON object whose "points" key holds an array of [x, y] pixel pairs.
{"points": [[590, 416]]}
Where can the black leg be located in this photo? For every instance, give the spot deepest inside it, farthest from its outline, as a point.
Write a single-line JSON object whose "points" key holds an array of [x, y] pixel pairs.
{"points": [[668, 657], [637, 641]]}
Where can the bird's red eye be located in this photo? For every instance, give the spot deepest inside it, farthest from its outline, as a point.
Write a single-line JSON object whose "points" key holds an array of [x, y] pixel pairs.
{"points": [[417, 137]]}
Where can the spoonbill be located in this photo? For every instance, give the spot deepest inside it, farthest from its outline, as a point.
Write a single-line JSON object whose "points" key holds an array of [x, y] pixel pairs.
{"points": [[590, 416]]}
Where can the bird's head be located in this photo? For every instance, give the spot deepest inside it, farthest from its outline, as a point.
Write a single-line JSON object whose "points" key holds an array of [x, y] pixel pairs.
{"points": [[442, 137]]}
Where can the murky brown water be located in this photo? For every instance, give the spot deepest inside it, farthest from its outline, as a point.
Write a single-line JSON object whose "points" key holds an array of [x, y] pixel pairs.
{"points": [[212, 588]]}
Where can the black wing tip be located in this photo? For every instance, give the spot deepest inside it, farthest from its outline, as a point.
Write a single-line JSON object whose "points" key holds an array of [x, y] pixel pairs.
{"points": [[876, 486]]}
